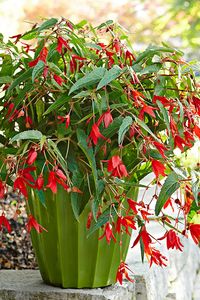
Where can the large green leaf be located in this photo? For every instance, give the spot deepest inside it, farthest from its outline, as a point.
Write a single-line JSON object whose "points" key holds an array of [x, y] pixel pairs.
{"points": [[109, 76], [89, 79], [27, 135], [127, 121], [58, 103], [88, 151], [170, 185], [48, 24]]}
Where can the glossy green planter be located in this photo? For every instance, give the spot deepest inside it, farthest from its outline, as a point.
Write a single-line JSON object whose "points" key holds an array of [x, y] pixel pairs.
{"points": [[66, 257]]}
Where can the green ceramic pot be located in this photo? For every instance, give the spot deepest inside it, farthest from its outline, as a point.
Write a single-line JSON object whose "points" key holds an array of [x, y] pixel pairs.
{"points": [[66, 257]]}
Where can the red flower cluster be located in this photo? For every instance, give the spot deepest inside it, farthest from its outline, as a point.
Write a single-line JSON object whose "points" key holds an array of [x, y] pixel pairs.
{"points": [[153, 254], [116, 167], [172, 240], [123, 272]]}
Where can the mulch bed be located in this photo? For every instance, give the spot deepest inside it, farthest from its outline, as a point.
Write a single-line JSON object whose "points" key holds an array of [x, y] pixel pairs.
{"points": [[15, 247]]}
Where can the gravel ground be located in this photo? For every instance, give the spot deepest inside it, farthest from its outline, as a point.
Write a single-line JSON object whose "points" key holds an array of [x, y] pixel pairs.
{"points": [[15, 247]]}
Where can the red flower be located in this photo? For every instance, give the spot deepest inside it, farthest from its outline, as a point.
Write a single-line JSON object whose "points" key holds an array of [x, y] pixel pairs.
{"points": [[136, 95], [154, 254], [24, 178], [32, 155], [162, 99], [196, 102], [196, 130], [106, 118], [157, 258], [127, 222], [95, 134], [39, 182], [122, 272], [132, 205], [28, 121], [167, 203], [116, 167], [129, 57], [144, 214], [5, 223], [161, 148], [62, 44], [108, 233], [179, 142], [42, 56], [172, 240], [195, 232], [20, 184], [158, 168], [2, 189], [73, 62], [32, 223], [56, 177], [58, 79], [25, 173], [147, 109], [117, 46], [65, 119], [144, 235]]}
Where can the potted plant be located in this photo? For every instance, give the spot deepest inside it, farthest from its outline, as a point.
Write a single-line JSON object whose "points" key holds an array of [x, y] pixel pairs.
{"points": [[83, 120]]}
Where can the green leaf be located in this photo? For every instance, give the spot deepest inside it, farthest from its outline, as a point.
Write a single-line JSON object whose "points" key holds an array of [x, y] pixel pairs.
{"points": [[109, 76], [5, 79], [58, 103], [38, 69], [164, 113], [29, 35], [40, 109], [89, 79], [195, 185], [151, 69], [52, 147], [26, 135], [104, 218], [48, 24], [170, 185], [82, 142], [23, 77], [110, 131], [7, 66], [105, 24], [127, 121], [82, 94], [145, 127], [76, 200], [41, 196]]}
